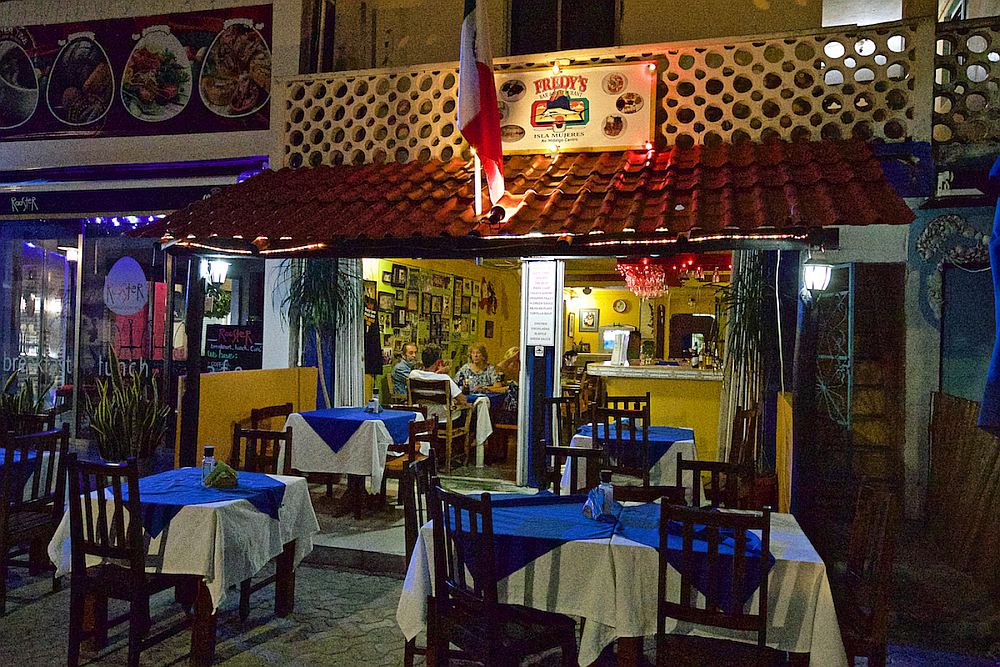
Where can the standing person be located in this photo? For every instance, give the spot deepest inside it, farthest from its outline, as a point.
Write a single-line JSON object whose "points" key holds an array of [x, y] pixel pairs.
{"points": [[478, 373], [402, 370]]}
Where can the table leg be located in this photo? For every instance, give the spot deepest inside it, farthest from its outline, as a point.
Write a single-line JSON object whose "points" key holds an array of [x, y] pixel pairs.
{"points": [[798, 659], [629, 651], [203, 628], [284, 584]]}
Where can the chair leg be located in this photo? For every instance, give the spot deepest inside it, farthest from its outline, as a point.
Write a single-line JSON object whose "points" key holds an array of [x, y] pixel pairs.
{"points": [[100, 610], [137, 626], [329, 486], [75, 626], [569, 651], [245, 586], [408, 652]]}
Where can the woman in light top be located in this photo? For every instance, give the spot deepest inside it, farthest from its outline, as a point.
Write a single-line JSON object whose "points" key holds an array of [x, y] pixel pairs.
{"points": [[478, 374]]}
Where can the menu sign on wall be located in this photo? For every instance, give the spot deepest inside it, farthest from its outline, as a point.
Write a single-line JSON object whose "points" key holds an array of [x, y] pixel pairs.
{"points": [[195, 72], [230, 347], [598, 108], [541, 321]]}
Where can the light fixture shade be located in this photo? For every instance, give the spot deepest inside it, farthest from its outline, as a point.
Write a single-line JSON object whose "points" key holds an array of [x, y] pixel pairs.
{"points": [[214, 271], [815, 276]]}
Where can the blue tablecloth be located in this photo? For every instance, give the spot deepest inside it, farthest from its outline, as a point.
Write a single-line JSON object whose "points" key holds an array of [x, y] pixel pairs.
{"points": [[495, 398], [336, 425], [641, 523], [527, 527], [661, 438], [165, 494], [17, 456]]}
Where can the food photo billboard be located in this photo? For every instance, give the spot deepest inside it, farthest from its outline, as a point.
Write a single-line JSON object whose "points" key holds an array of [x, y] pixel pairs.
{"points": [[588, 108]]}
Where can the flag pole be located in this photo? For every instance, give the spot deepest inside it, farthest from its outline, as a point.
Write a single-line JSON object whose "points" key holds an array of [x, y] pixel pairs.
{"points": [[478, 165]]}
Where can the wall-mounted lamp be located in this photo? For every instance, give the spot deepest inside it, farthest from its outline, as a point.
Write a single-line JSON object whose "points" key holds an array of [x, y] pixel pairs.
{"points": [[816, 276], [72, 252], [214, 271]]}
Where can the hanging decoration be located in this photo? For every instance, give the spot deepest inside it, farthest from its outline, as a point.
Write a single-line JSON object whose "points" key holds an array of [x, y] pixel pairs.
{"points": [[646, 278]]}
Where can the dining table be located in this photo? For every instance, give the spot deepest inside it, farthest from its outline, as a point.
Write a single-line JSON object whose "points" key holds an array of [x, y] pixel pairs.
{"points": [[664, 442], [220, 537], [551, 557]]}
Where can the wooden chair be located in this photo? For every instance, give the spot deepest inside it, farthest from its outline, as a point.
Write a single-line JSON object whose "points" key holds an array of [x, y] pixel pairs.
{"points": [[259, 451], [557, 457], [395, 466], [32, 487], [452, 427], [684, 604], [419, 477], [726, 490], [24, 424], [626, 445], [465, 610], [865, 588], [266, 414], [102, 530], [674, 495], [639, 402]]}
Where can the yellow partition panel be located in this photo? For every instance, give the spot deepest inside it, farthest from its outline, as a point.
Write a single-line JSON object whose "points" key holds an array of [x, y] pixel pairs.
{"points": [[783, 451], [227, 398], [690, 404]]}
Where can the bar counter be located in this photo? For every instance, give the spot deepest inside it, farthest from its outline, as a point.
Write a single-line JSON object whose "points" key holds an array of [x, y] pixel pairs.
{"points": [[679, 396]]}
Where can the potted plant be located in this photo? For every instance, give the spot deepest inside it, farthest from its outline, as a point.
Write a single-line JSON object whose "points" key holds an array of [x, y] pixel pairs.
{"points": [[25, 400], [127, 417]]}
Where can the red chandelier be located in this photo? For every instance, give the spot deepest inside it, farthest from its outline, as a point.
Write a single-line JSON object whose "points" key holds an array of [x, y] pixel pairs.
{"points": [[646, 278]]}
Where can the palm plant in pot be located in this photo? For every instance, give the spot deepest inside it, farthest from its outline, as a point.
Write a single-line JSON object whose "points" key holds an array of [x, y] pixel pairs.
{"points": [[127, 417]]}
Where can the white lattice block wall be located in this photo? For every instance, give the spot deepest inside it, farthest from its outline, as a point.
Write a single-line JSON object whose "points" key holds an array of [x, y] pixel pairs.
{"points": [[966, 88], [865, 82]]}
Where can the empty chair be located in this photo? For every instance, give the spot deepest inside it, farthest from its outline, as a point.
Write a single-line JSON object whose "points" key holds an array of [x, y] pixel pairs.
{"points": [[864, 594], [454, 421], [401, 457], [32, 483], [623, 435], [101, 530], [258, 416], [565, 412], [725, 489], [637, 402], [577, 458], [24, 423], [465, 610], [260, 451], [715, 587]]}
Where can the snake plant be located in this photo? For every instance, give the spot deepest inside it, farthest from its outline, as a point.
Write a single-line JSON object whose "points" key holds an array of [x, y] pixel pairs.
{"points": [[27, 399]]}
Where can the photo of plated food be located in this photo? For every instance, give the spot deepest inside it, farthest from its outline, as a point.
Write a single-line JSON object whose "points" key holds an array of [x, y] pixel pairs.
{"points": [[236, 75], [613, 126], [629, 102], [614, 83], [156, 82], [512, 90], [18, 85], [511, 133], [81, 84]]}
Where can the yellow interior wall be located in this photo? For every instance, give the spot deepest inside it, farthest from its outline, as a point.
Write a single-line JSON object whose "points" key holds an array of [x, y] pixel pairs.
{"points": [[690, 404], [506, 284], [227, 398], [676, 301]]}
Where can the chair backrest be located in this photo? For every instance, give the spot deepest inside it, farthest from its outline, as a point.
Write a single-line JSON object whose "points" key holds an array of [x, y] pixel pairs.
{"points": [[421, 430], [743, 445], [258, 451], [639, 402], [674, 495], [464, 554], [590, 459], [871, 550], [419, 478], [428, 392], [422, 409], [565, 410], [34, 470], [98, 525], [702, 567], [725, 480], [24, 424], [260, 415], [623, 435]]}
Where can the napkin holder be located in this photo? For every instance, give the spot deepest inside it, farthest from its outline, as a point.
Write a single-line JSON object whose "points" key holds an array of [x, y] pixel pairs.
{"points": [[597, 509], [222, 477]]}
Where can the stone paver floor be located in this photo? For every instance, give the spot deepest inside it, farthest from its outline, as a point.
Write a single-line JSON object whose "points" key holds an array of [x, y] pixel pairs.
{"points": [[341, 618]]}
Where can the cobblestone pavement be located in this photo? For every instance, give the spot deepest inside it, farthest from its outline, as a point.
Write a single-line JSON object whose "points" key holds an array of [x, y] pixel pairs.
{"points": [[341, 618]]}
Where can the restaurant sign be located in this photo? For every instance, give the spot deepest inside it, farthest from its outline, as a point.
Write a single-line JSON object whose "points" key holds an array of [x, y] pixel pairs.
{"points": [[590, 108]]}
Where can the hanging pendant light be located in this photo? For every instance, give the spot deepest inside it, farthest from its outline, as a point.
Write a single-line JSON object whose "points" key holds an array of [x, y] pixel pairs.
{"points": [[646, 278]]}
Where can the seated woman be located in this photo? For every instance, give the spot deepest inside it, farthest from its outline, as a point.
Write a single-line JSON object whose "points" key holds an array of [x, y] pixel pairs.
{"points": [[478, 373], [510, 366]]}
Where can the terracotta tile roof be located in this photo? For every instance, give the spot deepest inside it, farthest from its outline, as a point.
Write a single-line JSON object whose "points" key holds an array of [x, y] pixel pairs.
{"points": [[680, 192]]}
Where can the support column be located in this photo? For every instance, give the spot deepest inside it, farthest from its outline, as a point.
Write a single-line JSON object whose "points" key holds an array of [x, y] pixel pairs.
{"points": [[188, 453]]}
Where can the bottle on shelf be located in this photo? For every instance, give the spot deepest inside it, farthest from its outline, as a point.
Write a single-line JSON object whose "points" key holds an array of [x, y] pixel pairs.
{"points": [[207, 462]]}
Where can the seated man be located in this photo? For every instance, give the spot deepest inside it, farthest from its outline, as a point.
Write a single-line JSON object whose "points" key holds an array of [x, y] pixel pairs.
{"points": [[402, 370], [431, 357]]}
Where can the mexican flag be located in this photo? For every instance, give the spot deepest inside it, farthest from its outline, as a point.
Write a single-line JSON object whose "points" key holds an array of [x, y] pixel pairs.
{"points": [[478, 117]]}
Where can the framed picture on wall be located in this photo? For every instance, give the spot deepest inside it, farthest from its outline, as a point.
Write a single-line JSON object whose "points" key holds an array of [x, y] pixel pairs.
{"points": [[387, 277], [436, 304], [488, 329], [400, 320], [466, 305], [413, 282], [585, 347], [425, 306], [399, 273], [446, 305], [458, 289], [370, 286], [412, 301], [400, 295], [571, 325], [589, 319], [386, 301], [475, 289]]}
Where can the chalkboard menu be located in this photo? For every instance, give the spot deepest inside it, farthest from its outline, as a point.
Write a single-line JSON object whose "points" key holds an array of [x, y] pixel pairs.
{"points": [[233, 347]]}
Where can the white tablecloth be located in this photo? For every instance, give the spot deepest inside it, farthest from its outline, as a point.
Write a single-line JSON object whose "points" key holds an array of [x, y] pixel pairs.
{"points": [[483, 425], [363, 454], [613, 585], [223, 542], [663, 472]]}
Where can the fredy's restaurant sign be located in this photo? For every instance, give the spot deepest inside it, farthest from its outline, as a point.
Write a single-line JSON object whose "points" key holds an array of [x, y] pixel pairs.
{"points": [[590, 108]]}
